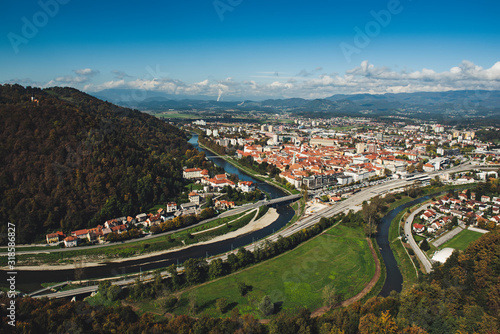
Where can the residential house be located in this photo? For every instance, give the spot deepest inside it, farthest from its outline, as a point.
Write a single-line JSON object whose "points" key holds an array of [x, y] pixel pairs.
{"points": [[119, 229], [171, 207], [418, 228], [219, 181], [189, 206], [192, 173], [495, 219], [110, 223], [194, 198], [428, 214], [224, 205], [457, 213], [55, 237], [153, 220], [429, 167], [485, 199], [94, 233], [80, 234], [246, 186], [141, 217], [71, 241]]}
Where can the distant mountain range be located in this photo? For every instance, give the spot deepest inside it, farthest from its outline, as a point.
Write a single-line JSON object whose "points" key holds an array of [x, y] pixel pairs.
{"points": [[446, 106]]}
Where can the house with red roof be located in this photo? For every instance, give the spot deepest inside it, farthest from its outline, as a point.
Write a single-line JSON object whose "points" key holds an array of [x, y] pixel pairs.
{"points": [[55, 237], [80, 234], [485, 199], [246, 186], [428, 214], [418, 228], [194, 197], [223, 204], [70, 241], [194, 173], [429, 167], [171, 207]]}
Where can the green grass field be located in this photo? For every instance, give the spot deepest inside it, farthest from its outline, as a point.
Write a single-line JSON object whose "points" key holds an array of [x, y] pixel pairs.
{"points": [[404, 261], [340, 257], [462, 240]]}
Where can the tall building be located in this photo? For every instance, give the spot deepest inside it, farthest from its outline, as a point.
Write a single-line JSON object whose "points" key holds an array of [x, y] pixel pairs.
{"points": [[372, 148], [360, 148]]}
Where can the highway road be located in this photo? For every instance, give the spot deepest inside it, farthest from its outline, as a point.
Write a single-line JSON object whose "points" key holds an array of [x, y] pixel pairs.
{"points": [[420, 254], [365, 195], [352, 203]]}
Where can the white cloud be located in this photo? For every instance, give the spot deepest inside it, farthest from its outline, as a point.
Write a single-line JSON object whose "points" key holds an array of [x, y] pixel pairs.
{"points": [[68, 79], [365, 78], [86, 71]]}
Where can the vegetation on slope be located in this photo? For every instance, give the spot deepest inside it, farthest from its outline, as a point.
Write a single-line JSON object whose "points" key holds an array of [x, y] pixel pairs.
{"points": [[72, 161]]}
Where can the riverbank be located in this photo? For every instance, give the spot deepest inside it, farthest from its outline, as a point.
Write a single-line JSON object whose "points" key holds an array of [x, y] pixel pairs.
{"points": [[253, 225], [249, 171]]}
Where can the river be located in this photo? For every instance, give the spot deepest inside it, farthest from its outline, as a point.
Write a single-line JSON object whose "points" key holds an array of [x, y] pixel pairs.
{"points": [[270, 189], [28, 281], [394, 279]]}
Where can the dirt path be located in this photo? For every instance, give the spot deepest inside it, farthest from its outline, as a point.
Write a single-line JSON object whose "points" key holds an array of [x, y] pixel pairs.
{"points": [[322, 310]]}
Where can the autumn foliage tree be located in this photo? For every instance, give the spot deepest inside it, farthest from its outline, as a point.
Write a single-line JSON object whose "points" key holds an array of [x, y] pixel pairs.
{"points": [[73, 161]]}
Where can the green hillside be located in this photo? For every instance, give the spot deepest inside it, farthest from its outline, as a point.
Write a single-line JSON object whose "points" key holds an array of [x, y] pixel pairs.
{"points": [[72, 161]]}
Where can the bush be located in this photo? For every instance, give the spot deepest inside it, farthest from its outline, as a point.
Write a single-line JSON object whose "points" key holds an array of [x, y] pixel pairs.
{"points": [[410, 251]]}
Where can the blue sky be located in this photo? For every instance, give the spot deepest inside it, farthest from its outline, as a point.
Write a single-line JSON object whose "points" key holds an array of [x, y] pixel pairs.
{"points": [[252, 48]]}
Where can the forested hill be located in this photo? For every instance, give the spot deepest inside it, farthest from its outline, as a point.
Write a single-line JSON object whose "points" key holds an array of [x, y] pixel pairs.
{"points": [[69, 160]]}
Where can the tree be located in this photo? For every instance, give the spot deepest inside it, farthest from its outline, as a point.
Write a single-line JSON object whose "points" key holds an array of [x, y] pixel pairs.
{"points": [[176, 280], [215, 269], [221, 305], [195, 270], [266, 306], [242, 288], [330, 296], [169, 303], [425, 245], [209, 201], [410, 168], [113, 292], [371, 324], [245, 257], [370, 229]]}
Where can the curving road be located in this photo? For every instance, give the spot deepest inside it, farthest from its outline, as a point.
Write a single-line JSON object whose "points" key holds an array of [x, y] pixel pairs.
{"points": [[420, 254]]}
